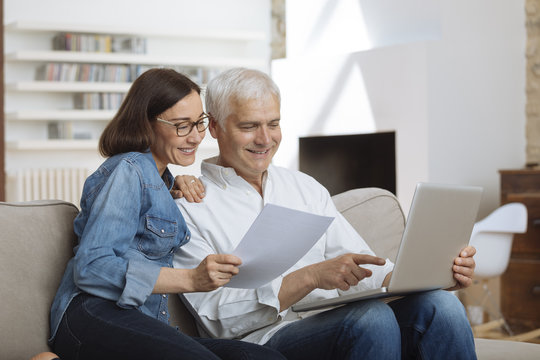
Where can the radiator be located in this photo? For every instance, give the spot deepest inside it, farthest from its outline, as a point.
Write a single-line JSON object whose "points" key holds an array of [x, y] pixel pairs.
{"points": [[42, 184]]}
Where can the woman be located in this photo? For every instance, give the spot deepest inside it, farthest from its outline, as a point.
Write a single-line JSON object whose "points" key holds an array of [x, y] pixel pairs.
{"points": [[112, 301]]}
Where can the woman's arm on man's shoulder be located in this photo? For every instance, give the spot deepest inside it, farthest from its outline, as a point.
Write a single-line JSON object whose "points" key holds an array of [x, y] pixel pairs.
{"points": [[189, 187]]}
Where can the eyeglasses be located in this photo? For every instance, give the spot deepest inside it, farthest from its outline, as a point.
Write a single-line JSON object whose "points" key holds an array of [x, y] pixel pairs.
{"points": [[183, 128]]}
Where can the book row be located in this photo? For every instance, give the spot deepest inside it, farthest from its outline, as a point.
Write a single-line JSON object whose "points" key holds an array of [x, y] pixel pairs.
{"points": [[97, 101], [67, 130], [113, 72], [99, 43], [89, 72]]}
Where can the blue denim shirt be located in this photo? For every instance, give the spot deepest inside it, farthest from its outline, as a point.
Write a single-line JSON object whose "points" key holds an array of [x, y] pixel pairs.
{"points": [[128, 228]]}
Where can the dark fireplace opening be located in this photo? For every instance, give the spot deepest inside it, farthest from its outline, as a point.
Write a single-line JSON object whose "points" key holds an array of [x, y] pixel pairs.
{"points": [[345, 162]]}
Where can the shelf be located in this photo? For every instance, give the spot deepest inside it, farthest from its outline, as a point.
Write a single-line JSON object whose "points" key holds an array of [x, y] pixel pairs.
{"points": [[69, 86], [232, 35], [43, 145], [74, 144], [72, 86], [60, 115], [127, 58]]}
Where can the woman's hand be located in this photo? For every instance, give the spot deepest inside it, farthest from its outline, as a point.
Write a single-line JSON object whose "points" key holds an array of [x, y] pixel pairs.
{"points": [[189, 187], [214, 271]]}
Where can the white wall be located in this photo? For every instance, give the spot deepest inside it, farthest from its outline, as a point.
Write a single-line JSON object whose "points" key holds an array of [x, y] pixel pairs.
{"points": [[477, 94], [361, 92], [447, 75], [157, 16]]}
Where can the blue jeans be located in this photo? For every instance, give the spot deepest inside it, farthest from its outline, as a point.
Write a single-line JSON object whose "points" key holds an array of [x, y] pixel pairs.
{"points": [[430, 325], [97, 329]]}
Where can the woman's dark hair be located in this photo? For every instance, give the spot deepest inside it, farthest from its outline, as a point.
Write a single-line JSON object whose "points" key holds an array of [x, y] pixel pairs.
{"points": [[155, 91]]}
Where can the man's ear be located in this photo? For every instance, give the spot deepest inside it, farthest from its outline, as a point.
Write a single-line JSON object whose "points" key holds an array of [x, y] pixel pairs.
{"points": [[212, 126]]}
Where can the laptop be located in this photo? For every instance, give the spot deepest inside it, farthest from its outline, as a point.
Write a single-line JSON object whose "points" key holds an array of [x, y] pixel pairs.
{"points": [[439, 225]]}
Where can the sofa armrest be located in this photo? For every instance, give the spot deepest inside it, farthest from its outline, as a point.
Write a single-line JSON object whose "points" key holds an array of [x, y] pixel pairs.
{"points": [[37, 239]]}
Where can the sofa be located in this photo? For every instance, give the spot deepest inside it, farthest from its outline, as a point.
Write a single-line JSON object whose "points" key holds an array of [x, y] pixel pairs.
{"points": [[38, 240]]}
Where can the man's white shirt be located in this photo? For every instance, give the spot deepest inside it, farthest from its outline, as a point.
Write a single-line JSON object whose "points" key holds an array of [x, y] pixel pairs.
{"points": [[219, 222]]}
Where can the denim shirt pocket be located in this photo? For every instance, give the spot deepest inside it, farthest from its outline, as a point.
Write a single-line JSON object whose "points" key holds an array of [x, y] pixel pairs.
{"points": [[159, 237]]}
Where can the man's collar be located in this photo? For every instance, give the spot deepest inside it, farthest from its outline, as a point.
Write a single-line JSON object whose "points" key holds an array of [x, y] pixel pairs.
{"points": [[213, 171], [221, 175]]}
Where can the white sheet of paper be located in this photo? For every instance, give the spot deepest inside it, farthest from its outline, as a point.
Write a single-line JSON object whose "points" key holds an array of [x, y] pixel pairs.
{"points": [[276, 240]]}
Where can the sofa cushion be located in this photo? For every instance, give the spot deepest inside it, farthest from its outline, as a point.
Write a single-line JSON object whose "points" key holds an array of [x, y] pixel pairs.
{"points": [[37, 242], [181, 317], [488, 349], [376, 215]]}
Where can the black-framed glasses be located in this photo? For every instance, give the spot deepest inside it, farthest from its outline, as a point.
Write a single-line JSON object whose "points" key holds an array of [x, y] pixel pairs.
{"points": [[183, 128]]}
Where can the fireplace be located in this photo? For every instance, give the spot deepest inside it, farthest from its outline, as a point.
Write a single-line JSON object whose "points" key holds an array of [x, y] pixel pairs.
{"points": [[345, 162]]}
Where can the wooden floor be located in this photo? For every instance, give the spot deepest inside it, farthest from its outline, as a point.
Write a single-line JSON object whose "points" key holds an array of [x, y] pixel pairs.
{"points": [[495, 330]]}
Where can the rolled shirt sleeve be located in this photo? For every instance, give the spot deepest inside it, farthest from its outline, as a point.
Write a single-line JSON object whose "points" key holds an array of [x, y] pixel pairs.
{"points": [[141, 277]]}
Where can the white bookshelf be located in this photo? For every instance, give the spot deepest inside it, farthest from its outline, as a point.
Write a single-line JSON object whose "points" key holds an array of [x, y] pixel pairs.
{"points": [[27, 100]]}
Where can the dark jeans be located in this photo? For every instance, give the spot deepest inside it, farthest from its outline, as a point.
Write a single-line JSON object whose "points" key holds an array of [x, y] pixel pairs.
{"points": [[97, 329], [430, 325]]}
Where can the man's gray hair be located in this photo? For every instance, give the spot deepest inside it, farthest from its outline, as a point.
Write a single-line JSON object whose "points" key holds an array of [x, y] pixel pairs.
{"points": [[239, 84]]}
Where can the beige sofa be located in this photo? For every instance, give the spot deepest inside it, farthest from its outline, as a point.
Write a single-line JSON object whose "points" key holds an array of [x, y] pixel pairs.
{"points": [[37, 241]]}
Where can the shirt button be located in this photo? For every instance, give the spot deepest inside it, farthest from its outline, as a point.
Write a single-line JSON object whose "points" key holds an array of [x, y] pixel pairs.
{"points": [[224, 187], [163, 312], [187, 237], [164, 295], [162, 231]]}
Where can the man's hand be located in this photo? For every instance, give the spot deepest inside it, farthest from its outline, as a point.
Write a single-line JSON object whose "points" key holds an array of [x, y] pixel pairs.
{"points": [[343, 271], [464, 268], [45, 356], [189, 187], [214, 271]]}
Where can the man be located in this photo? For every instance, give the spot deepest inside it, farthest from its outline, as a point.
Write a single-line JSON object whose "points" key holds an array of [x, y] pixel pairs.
{"points": [[244, 106]]}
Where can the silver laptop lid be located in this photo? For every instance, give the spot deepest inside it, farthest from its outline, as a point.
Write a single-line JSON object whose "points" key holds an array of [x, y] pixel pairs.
{"points": [[439, 225]]}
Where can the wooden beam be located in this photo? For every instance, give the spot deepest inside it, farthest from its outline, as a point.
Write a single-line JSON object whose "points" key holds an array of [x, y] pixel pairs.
{"points": [[479, 329], [525, 336]]}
